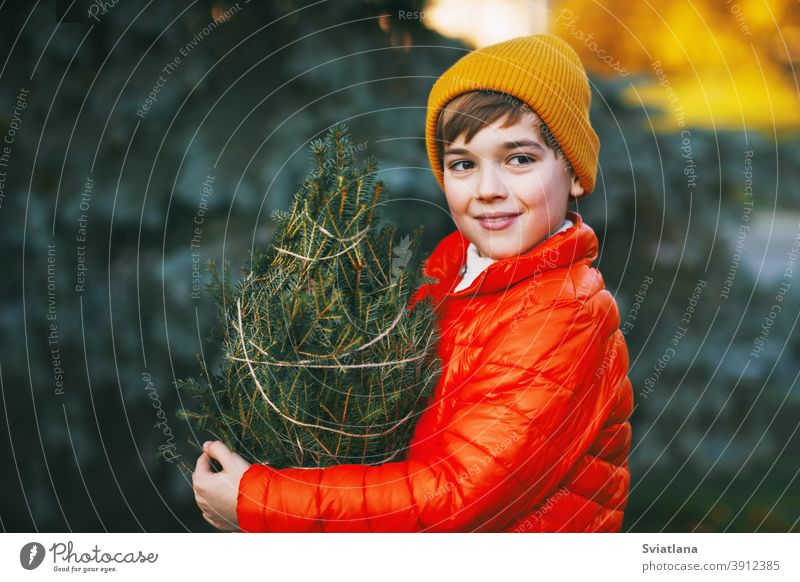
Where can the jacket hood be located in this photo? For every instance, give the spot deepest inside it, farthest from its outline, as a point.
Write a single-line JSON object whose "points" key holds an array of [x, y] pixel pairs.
{"points": [[577, 243]]}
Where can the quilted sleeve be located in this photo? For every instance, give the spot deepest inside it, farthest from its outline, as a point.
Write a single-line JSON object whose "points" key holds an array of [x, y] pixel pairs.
{"points": [[514, 430]]}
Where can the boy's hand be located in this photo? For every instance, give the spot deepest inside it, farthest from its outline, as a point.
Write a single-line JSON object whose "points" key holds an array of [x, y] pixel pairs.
{"points": [[217, 493]]}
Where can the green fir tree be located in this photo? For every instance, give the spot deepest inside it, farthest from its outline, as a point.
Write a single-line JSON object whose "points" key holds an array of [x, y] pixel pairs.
{"points": [[324, 362]]}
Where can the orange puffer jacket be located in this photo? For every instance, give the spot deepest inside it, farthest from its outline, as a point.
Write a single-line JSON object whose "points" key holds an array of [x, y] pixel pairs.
{"points": [[527, 429]]}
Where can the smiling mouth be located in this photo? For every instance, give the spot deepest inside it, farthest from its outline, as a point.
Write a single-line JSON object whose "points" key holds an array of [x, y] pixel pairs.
{"points": [[496, 221], [496, 215]]}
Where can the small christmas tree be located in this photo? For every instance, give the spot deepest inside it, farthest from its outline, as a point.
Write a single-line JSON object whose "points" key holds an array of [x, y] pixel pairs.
{"points": [[324, 362]]}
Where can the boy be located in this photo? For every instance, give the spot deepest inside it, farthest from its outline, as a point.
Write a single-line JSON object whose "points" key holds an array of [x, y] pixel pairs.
{"points": [[528, 427]]}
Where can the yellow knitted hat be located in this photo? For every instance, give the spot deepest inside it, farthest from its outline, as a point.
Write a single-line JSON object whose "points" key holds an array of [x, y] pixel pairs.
{"points": [[541, 70]]}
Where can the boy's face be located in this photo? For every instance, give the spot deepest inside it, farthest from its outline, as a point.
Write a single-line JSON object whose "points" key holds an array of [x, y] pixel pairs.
{"points": [[509, 174]]}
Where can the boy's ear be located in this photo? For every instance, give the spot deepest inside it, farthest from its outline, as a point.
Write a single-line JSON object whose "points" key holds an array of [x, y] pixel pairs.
{"points": [[576, 190]]}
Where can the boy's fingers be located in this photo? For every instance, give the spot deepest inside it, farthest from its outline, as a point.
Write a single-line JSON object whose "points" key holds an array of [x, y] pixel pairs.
{"points": [[203, 464], [218, 451]]}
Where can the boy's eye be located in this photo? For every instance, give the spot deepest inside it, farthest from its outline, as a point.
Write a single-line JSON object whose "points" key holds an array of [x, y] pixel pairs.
{"points": [[454, 165], [525, 159]]}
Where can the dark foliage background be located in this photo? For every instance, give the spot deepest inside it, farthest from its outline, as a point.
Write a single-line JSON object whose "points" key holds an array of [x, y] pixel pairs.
{"points": [[715, 434]]}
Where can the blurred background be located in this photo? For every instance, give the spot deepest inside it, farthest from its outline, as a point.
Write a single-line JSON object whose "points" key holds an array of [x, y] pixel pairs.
{"points": [[141, 139]]}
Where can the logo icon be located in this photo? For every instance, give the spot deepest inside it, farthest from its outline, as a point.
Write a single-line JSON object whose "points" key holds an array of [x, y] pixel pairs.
{"points": [[31, 555], [403, 252]]}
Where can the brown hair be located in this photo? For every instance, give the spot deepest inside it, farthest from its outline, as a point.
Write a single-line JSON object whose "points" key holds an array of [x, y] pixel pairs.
{"points": [[470, 112]]}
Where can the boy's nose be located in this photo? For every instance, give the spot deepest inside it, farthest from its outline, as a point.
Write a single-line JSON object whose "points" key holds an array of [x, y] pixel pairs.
{"points": [[491, 184]]}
